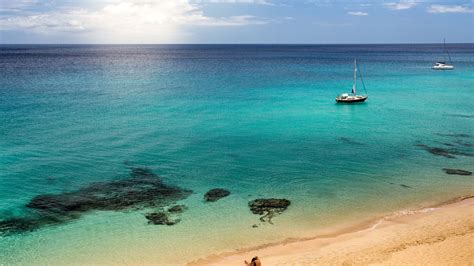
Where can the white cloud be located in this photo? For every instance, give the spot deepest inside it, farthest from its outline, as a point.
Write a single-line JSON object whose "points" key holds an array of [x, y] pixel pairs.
{"points": [[404, 4], [358, 13], [130, 21], [449, 9]]}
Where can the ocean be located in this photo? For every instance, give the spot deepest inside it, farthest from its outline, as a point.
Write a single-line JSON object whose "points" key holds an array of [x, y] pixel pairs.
{"points": [[258, 120]]}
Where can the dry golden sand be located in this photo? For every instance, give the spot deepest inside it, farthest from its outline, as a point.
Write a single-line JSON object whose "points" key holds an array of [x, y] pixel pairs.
{"points": [[434, 236]]}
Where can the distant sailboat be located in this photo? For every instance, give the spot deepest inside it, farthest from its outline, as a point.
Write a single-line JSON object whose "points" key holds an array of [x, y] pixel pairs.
{"points": [[442, 65], [354, 98]]}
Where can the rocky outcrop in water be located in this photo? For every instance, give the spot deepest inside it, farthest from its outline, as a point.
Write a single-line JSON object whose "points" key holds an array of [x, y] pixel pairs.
{"points": [[160, 218], [177, 209], [268, 208], [142, 189], [18, 225], [456, 171], [448, 153], [454, 144], [436, 151], [166, 217], [216, 194]]}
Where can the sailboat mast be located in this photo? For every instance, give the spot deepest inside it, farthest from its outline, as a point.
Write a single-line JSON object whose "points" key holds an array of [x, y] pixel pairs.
{"points": [[355, 78], [446, 50]]}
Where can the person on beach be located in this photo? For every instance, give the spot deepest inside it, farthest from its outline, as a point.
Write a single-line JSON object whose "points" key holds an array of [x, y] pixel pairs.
{"points": [[255, 262]]}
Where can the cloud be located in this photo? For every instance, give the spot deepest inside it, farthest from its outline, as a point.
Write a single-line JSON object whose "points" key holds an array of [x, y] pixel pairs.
{"points": [[357, 13], [404, 4], [131, 21], [449, 9]]}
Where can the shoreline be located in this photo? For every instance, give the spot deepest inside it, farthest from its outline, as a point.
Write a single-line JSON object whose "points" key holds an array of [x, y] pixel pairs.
{"points": [[432, 225]]}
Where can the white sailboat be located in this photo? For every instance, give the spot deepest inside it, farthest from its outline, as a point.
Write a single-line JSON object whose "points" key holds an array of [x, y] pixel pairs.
{"points": [[442, 65], [354, 98]]}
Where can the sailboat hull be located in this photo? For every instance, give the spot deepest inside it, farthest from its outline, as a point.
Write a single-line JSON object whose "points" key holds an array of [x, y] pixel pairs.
{"points": [[351, 99], [445, 67]]}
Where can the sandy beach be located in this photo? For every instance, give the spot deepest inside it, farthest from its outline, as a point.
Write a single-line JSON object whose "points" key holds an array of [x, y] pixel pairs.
{"points": [[440, 235]]}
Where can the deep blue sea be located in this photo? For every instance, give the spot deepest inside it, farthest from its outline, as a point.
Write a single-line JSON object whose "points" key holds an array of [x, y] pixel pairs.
{"points": [[258, 120]]}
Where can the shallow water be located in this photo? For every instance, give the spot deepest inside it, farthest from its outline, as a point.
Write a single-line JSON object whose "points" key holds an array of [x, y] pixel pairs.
{"points": [[259, 120]]}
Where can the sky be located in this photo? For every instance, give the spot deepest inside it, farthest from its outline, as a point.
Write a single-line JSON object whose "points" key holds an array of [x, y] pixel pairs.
{"points": [[236, 21]]}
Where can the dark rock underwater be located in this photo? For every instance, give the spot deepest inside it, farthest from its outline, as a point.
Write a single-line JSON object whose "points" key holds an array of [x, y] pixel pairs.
{"points": [[142, 189], [268, 208], [216, 194], [450, 171], [450, 153]]}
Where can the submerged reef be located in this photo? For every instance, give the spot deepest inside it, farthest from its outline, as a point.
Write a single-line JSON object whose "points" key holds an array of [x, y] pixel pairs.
{"points": [[20, 225], [268, 208], [160, 217], [448, 153], [455, 144], [455, 135], [142, 189], [350, 141], [456, 171], [463, 143], [177, 209], [166, 217], [216, 194]]}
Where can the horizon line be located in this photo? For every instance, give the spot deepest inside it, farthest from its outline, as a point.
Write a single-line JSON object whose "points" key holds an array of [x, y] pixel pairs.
{"points": [[377, 43]]}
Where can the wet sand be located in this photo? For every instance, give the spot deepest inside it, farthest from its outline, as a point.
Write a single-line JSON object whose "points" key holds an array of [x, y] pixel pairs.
{"points": [[439, 235]]}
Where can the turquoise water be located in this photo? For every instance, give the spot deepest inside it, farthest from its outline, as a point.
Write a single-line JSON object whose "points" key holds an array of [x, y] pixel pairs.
{"points": [[259, 120]]}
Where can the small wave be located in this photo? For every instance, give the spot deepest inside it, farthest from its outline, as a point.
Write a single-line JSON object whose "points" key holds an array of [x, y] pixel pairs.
{"points": [[397, 214]]}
